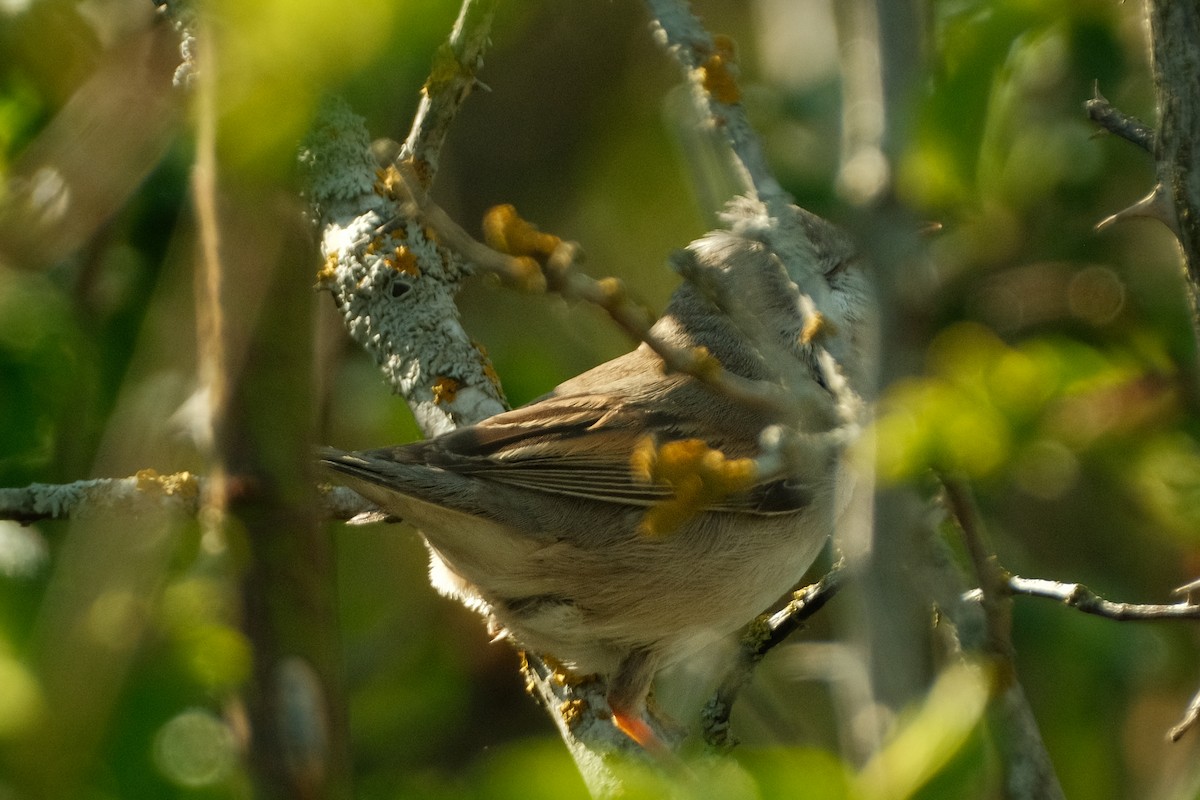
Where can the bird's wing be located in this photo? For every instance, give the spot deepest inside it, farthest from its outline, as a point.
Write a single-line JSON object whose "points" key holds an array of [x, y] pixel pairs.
{"points": [[582, 446]]}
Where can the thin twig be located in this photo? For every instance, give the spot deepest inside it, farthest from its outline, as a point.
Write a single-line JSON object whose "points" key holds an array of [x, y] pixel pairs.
{"points": [[760, 638], [563, 277], [997, 607], [453, 76], [1190, 717], [1028, 770], [1081, 598]]}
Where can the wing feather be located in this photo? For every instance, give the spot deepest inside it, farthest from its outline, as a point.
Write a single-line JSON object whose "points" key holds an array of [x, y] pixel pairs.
{"points": [[581, 446]]}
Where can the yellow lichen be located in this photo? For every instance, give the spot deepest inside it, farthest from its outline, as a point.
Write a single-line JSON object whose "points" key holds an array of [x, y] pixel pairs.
{"points": [[526, 672], [572, 711], [718, 73], [423, 171], [445, 68], [404, 262], [328, 270], [563, 676], [183, 484], [489, 371], [704, 364], [147, 479], [445, 389], [757, 631]]}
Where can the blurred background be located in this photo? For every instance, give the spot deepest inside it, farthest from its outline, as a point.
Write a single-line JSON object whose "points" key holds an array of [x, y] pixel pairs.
{"points": [[1050, 364]]}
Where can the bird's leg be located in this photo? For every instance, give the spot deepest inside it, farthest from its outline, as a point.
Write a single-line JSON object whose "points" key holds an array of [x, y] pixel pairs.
{"points": [[627, 691]]}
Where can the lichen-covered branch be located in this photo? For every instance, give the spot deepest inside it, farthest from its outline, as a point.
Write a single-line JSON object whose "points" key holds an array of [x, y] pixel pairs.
{"points": [[453, 76], [147, 490], [393, 284], [711, 66]]}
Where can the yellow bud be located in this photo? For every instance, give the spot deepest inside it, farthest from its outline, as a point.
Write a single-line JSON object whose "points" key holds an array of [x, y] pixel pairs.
{"points": [[612, 291], [644, 458]]}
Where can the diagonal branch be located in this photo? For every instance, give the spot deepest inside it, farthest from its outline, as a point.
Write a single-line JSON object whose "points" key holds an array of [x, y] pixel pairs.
{"points": [[759, 639], [450, 82], [1028, 770], [560, 273], [711, 67]]}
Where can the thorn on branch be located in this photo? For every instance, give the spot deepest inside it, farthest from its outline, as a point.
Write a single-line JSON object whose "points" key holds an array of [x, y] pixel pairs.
{"points": [[1155, 205], [1188, 591], [1128, 127]]}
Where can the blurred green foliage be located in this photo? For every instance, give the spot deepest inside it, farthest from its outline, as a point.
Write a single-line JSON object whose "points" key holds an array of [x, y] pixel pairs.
{"points": [[1054, 369]]}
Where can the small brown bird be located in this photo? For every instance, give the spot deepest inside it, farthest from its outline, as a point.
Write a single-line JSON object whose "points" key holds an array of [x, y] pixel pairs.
{"points": [[534, 517]]}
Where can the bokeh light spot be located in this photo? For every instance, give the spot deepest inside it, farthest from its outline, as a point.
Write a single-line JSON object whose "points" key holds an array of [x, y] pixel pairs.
{"points": [[1047, 469], [23, 551], [20, 698], [195, 749], [1096, 295]]}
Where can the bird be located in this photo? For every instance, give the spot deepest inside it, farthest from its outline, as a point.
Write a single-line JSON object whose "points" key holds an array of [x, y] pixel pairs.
{"points": [[536, 517]]}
